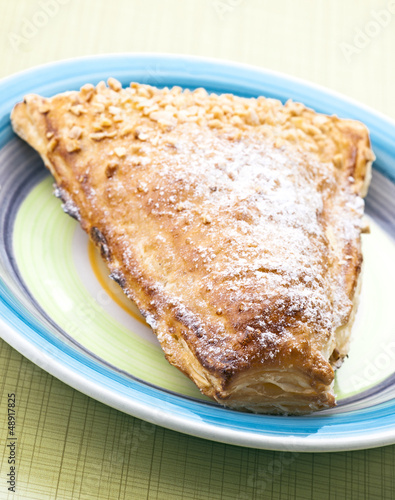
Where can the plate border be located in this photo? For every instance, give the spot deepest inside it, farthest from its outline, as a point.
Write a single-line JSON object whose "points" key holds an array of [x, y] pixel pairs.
{"points": [[135, 399]]}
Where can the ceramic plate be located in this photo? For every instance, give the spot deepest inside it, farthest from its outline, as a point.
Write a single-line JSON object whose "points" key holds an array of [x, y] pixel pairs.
{"points": [[60, 310]]}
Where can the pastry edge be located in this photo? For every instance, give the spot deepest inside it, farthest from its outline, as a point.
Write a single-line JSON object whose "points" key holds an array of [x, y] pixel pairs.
{"points": [[210, 383]]}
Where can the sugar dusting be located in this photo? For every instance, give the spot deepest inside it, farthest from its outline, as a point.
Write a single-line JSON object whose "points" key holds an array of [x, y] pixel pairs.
{"points": [[256, 224], [238, 220]]}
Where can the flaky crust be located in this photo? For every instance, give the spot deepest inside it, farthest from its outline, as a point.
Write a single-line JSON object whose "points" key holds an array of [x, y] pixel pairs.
{"points": [[234, 224]]}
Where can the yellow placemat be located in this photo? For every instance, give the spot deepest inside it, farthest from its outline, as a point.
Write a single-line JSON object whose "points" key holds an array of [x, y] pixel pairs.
{"points": [[345, 45], [71, 447]]}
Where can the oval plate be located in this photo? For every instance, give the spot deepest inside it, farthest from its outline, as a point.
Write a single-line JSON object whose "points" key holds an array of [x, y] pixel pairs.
{"points": [[46, 273]]}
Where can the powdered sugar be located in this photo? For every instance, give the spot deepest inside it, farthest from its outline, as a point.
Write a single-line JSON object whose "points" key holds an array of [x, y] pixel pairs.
{"points": [[230, 211]]}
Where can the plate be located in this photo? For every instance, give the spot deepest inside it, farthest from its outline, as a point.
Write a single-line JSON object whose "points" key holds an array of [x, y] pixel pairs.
{"points": [[58, 308]]}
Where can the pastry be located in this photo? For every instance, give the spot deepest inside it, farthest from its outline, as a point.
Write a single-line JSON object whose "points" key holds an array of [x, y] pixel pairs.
{"points": [[233, 223]]}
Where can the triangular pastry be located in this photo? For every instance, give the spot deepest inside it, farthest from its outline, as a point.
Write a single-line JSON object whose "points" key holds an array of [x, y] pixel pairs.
{"points": [[233, 223]]}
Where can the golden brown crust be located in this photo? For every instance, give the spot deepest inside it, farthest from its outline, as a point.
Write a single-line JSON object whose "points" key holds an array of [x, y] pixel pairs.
{"points": [[234, 224]]}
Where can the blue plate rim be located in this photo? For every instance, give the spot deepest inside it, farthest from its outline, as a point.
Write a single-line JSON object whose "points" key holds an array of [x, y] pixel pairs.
{"points": [[173, 411]]}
